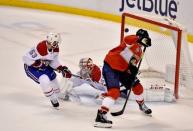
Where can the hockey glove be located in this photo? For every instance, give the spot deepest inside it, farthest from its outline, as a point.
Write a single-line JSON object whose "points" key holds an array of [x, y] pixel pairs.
{"points": [[133, 70], [41, 63], [145, 41], [65, 71], [46, 62], [37, 64]]}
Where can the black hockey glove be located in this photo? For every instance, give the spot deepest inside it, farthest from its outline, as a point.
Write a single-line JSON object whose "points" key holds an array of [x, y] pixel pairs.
{"points": [[65, 71], [145, 41], [133, 70]]}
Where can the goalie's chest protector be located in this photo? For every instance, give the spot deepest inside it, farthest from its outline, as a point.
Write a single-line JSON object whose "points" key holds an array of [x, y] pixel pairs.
{"points": [[119, 57]]}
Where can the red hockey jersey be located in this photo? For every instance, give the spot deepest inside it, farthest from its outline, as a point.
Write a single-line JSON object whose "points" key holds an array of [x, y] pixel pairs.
{"points": [[119, 57]]}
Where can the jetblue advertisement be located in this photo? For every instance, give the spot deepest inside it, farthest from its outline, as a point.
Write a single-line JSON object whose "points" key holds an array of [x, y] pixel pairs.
{"points": [[167, 8], [179, 10]]}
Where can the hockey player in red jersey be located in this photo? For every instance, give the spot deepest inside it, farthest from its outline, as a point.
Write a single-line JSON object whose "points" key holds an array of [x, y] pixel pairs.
{"points": [[120, 67], [40, 64]]}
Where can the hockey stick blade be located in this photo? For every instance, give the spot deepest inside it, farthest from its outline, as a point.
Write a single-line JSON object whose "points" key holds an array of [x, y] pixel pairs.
{"points": [[117, 113]]}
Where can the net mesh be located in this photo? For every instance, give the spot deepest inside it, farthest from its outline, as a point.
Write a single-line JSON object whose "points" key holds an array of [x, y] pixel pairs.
{"points": [[167, 62]]}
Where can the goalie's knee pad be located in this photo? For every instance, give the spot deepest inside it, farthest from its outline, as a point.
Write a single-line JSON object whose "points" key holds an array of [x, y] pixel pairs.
{"points": [[113, 92], [137, 89]]}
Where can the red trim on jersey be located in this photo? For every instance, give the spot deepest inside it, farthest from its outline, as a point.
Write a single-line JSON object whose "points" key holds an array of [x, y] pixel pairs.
{"points": [[42, 48]]}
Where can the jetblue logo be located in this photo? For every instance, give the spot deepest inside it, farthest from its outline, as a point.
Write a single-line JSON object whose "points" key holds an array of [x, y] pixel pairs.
{"points": [[161, 7]]}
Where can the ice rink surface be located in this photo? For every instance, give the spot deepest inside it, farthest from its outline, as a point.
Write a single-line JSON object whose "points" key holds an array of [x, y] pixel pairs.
{"points": [[23, 106]]}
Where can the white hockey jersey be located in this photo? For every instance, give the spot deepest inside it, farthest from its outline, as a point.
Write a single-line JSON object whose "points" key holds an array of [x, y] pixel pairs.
{"points": [[41, 52]]}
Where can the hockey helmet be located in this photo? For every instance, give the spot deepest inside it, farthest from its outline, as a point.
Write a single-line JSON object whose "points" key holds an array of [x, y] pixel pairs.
{"points": [[86, 63], [53, 39], [142, 33]]}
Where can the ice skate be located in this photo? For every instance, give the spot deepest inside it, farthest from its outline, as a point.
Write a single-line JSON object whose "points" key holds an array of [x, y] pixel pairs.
{"points": [[101, 120], [55, 103], [145, 109]]}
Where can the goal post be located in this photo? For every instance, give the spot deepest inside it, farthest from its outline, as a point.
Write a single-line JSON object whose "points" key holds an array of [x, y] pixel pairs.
{"points": [[166, 54]]}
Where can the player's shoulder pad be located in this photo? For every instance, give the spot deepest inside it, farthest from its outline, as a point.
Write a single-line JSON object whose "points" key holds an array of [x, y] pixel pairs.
{"points": [[42, 48], [130, 39]]}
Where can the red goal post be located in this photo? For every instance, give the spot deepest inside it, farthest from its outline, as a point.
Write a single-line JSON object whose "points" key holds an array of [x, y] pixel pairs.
{"points": [[140, 19]]}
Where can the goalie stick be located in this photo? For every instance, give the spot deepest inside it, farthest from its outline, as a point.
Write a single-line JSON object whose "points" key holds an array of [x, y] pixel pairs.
{"points": [[123, 109], [76, 76], [90, 82]]}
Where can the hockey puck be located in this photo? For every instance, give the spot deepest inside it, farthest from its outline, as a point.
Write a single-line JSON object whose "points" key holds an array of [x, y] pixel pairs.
{"points": [[126, 30]]}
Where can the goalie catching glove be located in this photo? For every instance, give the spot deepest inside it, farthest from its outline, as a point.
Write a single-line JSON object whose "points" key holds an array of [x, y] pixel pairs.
{"points": [[65, 71]]}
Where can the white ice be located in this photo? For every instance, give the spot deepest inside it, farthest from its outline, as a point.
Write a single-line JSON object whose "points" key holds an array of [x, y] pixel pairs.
{"points": [[22, 104]]}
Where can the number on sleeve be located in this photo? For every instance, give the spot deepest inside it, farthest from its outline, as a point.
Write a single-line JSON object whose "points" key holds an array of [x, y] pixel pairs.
{"points": [[33, 53]]}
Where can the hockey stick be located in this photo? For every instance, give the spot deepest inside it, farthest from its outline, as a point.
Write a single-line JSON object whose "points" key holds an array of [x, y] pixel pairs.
{"points": [[76, 76], [89, 81], [123, 109]]}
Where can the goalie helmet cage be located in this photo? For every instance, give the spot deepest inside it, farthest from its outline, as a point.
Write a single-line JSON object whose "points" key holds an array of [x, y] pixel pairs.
{"points": [[169, 54]]}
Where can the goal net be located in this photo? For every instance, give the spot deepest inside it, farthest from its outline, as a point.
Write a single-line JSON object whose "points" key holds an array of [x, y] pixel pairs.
{"points": [[166, 71]]}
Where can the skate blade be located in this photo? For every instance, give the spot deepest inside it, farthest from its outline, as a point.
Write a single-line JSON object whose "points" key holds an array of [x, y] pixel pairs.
{"points": [[102, 125], [150, 115], [56, 108]]}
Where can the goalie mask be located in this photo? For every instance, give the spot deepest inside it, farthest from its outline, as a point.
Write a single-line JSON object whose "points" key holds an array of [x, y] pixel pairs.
{"points": [[86, 63], [53, 39]]}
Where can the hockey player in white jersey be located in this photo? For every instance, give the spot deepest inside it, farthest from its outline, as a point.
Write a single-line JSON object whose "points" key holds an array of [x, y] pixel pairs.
{"points": [[87, 81], [40, 64]]}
